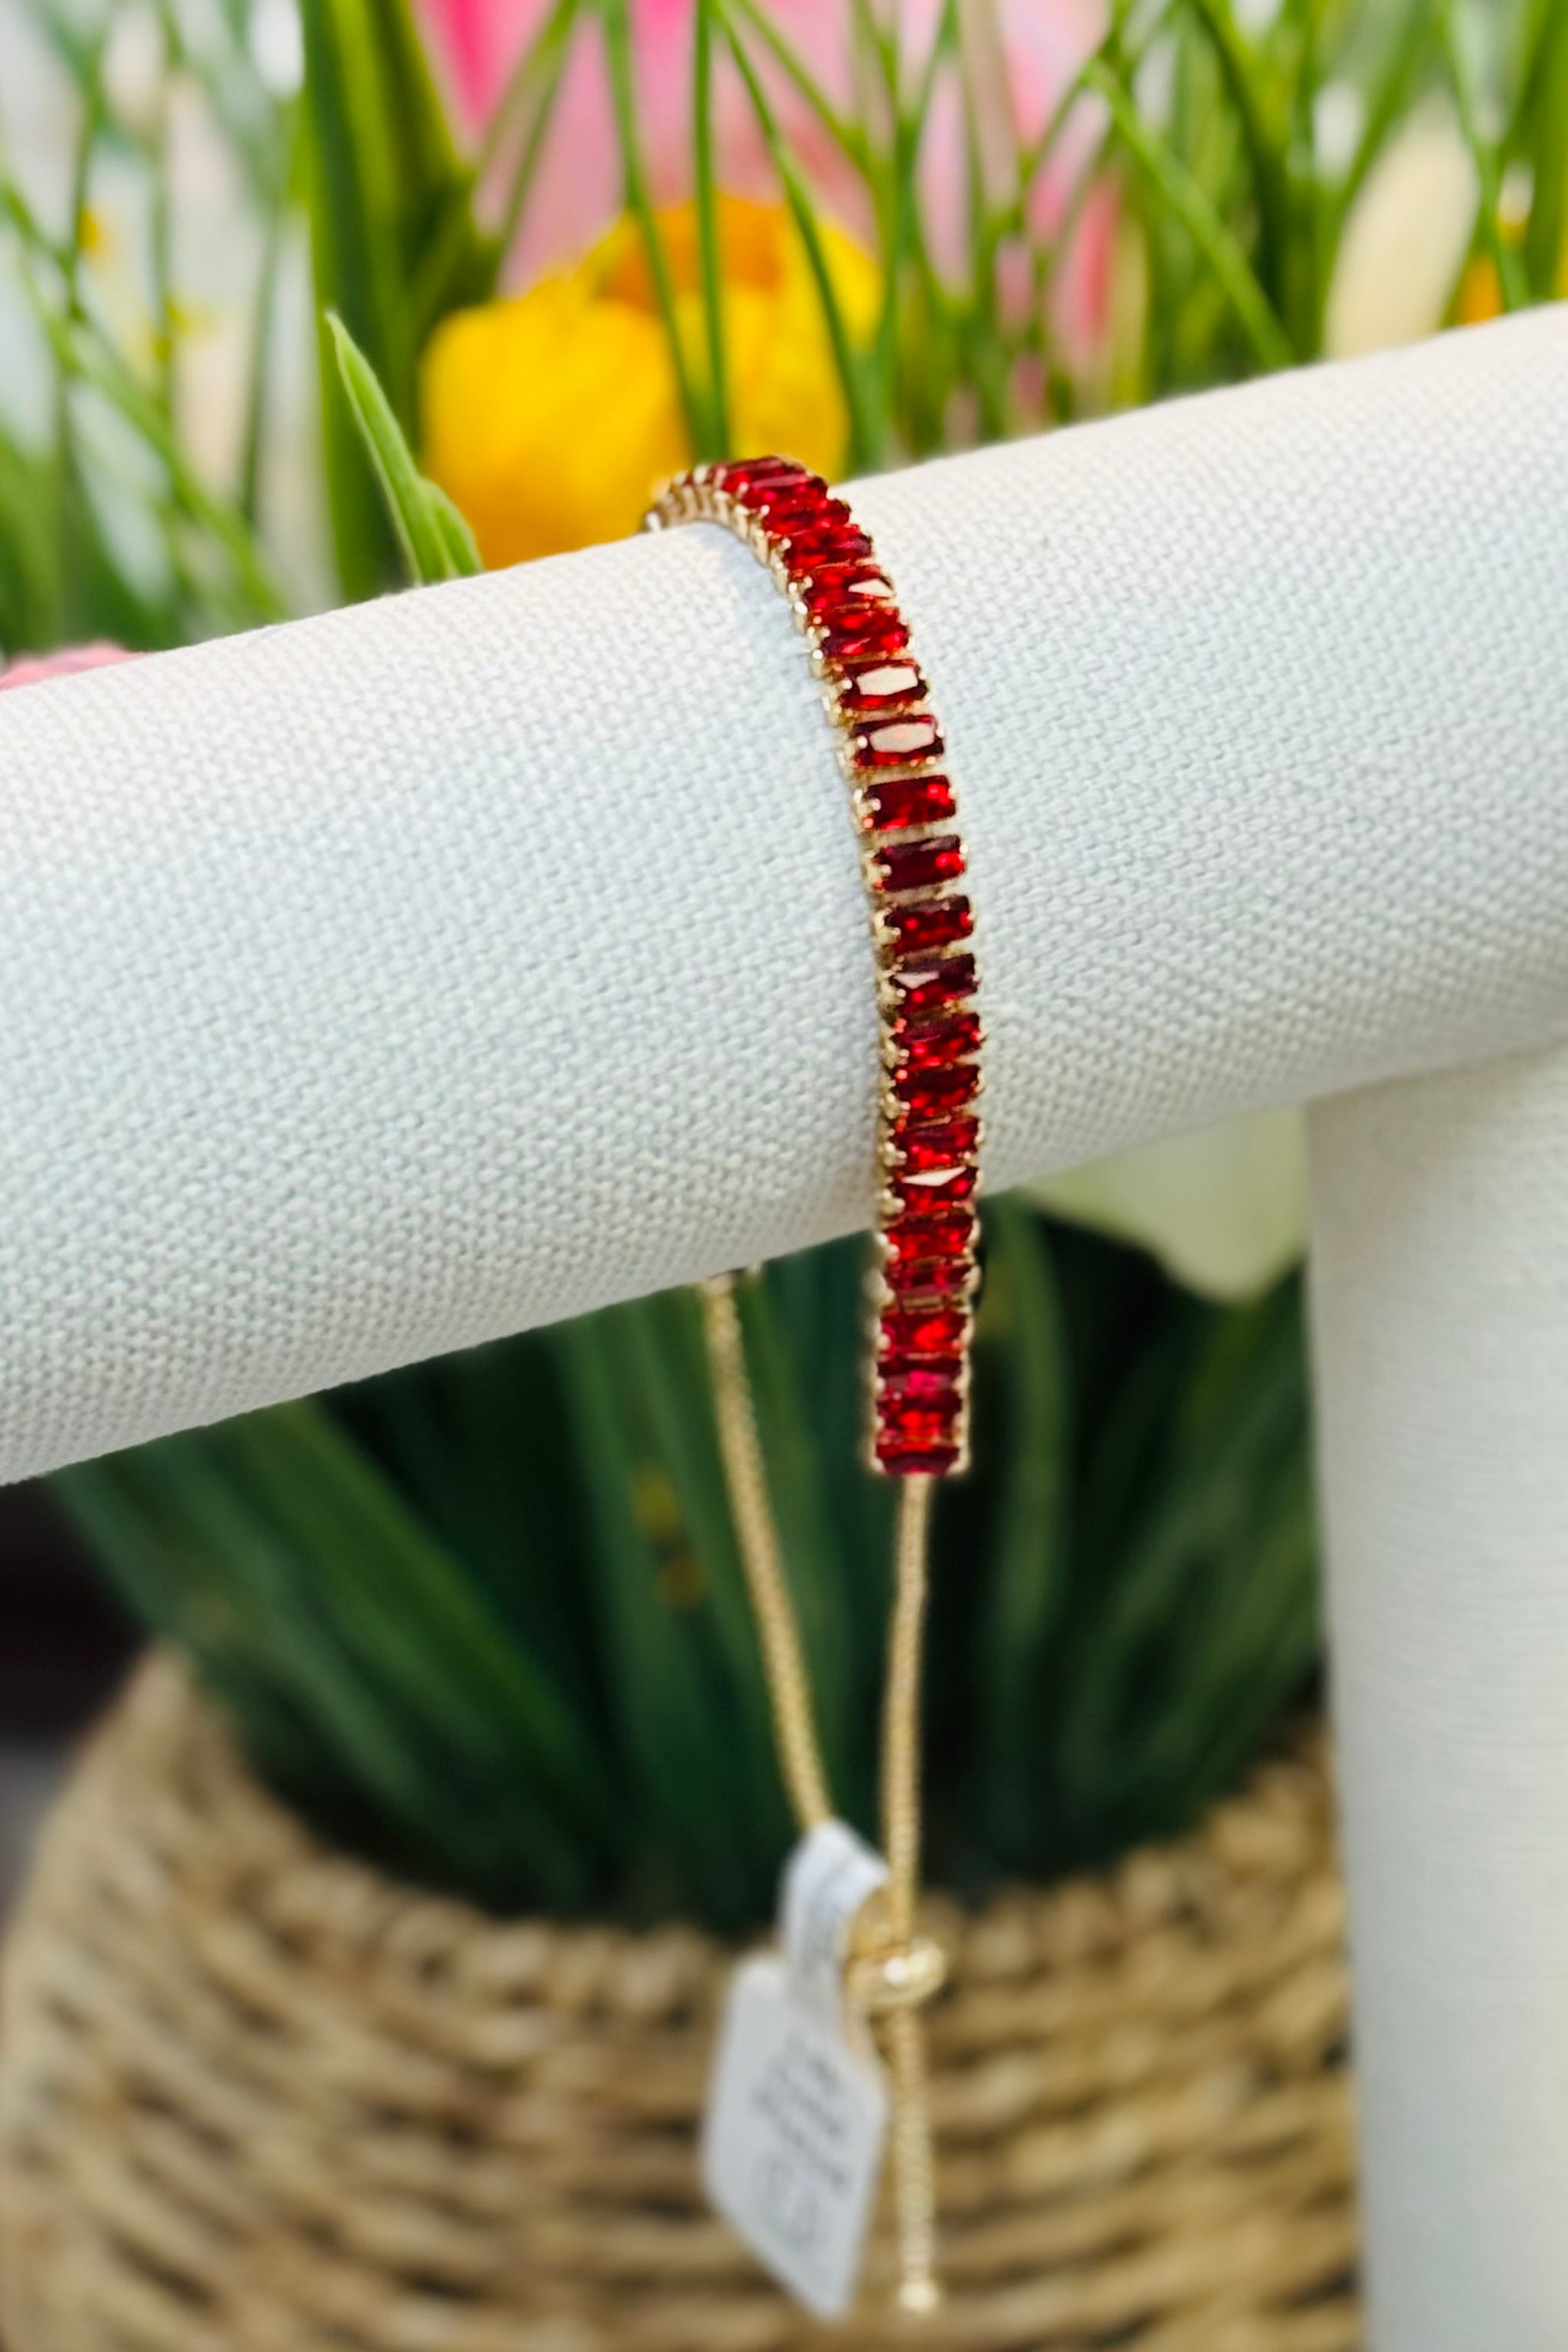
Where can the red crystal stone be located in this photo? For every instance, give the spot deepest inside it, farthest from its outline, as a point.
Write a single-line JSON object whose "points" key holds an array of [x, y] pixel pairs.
{"points": [[932, 1047], [807, 553], [917, 1462], [927, 988], [926, 1093], [893, 802], [783, 494], [932, 1384], [875, 634], [937, 924], [917, 865], [897, 743], [922, 1148], [920, 1277], [943, 1233], [740, 474], [840, 592], [944, 1188], [798, 519], [883, 688], [926, 1331], [915, 1425]]}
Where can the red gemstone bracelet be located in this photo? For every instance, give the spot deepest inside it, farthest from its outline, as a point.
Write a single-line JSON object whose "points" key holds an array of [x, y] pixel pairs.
{"points": [[891, 749]]}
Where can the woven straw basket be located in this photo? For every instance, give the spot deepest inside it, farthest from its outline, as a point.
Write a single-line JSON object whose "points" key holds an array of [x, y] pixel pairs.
{"points": [[256, 2098]]}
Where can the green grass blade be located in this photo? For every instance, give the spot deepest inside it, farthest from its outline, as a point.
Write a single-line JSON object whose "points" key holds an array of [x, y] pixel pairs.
{"points": [[1513, 282], [436, 543], [1539, 135], [555, 56], [1171, 183], [91, 361], [1029, 1529], [707, 241], [843, 131], [1142, 1654], [1265, 143], [867, 431], [411, 1606], [615, 21], [459, 549], [674, 1713]]}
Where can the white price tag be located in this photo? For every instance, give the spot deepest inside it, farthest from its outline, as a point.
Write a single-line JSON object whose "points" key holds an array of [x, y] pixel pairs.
{"points": [[797, 2111], [792, 2143], [826, 1881]]}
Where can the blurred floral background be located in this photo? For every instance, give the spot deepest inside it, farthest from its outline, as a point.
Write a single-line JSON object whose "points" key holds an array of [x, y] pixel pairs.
{"points": [[302, 299]]}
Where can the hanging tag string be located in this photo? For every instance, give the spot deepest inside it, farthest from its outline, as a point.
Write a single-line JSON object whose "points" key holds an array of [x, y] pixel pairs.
{"points": [[894, 1971]]}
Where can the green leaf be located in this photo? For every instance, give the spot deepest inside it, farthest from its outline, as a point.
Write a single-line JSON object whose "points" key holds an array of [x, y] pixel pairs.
{"points": [[1513, 282], [714, 1819], [708, 244], [1133, 1713], [385, 189], [844, 134], [1171, 183], [1264, 138], [1540, 136], [436, 542], [1028, 1531], [865, 427], [615, 20]]}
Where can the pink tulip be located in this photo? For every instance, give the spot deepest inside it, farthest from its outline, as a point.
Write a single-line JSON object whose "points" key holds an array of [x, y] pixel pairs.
{"points": [[1038, 45], [35, 669]]}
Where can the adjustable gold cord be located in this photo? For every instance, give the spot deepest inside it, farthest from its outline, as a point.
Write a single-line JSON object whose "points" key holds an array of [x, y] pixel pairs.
{"points": [[773, 1605], [894, 1972]]}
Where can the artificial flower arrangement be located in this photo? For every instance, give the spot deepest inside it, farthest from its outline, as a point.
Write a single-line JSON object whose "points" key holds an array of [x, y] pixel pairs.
{"points": [[555, 254], [563, 252]]}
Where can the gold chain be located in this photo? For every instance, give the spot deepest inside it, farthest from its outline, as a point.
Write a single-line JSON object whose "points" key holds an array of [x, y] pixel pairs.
{"points": [[894, 1972], [778, 1629]]}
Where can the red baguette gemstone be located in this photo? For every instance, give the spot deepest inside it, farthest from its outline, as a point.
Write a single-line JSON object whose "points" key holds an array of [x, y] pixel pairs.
{"points": [[938, 1147], [932, 1384], [900, 1461], [926, 1093], [921, 1277], [943, 1234], [917, 865], [806, 516], [784, 494], [842, 590], [883, 688], [806, 554], [897, 743], [944, 1042], [925, 1331], [944, 1188], [739, 476], [937, 924], [872, 636], [927, 988], [893, 802], [915, 1425]]}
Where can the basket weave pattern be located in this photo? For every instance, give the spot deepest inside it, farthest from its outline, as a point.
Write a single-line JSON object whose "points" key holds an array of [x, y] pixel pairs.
{"points": [[254, 2097]]}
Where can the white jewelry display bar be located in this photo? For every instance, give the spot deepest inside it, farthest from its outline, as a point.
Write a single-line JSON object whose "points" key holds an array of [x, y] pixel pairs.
{"points": [[381, 983]]}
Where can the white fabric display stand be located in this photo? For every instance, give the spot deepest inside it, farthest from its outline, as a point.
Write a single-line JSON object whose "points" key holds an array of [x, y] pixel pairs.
{"points": [[382, 983], [1440, 1294]]}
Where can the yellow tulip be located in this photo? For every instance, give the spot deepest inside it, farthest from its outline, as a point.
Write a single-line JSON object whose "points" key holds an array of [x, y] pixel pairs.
{"points": [[550, 416]]}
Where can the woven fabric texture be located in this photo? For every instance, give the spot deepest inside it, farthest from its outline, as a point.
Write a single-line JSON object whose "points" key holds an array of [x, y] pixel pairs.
{"points": [[425, 971], [440, 966]]}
